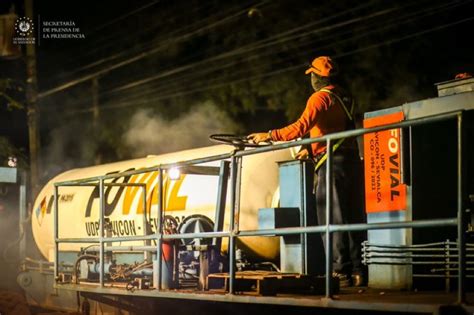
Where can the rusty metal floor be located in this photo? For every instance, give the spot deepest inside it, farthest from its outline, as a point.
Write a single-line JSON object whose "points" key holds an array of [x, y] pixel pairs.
{"points": [[361, 299]]}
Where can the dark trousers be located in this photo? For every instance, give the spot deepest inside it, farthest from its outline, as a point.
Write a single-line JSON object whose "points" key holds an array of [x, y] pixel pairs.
{"points": [[347, 207]]}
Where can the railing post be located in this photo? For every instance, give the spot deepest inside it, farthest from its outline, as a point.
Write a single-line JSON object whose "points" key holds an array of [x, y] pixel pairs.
{"points": [[238, 176], [56, 232], [447, 272], [221, 203], [159, 229], [233, 201], [328, 218], [101, 229], [460, 210], [146, 255]]}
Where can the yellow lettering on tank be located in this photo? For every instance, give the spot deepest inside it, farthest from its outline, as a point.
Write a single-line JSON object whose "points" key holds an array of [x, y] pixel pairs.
{"points": [[172, 201], [149, 183], [131, 191], [176, 202], [154, 194]]}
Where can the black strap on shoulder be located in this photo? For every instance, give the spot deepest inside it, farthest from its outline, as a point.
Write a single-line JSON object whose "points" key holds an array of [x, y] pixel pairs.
{"points": [[349, 114]]}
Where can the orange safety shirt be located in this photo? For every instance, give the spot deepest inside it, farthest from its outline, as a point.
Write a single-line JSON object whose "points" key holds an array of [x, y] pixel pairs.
{"points": [[322, 115]]}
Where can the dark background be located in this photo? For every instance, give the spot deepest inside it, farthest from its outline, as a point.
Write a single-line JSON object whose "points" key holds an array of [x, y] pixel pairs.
{"points": [[220, 66]]}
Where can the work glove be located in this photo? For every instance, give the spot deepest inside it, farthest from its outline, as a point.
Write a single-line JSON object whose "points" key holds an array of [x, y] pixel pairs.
{"points": [[303, 154], [259, 137]]}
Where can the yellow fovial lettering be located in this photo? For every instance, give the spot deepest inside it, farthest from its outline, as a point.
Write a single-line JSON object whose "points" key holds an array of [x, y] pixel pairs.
{"points": [[149, 183], [171, 199], [129, 195], [154, 194], [176, 202], [132, 191]]}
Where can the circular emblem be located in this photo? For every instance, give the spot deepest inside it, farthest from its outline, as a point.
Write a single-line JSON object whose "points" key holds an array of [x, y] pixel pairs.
{"points": [[24, 26]]}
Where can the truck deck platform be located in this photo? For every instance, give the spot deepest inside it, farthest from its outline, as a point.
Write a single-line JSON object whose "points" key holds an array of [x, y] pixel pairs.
{"points": [[348, 299]]}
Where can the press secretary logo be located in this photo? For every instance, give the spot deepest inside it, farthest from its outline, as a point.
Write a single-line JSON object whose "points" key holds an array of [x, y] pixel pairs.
{"points": [[24, 31], [24, 26]]}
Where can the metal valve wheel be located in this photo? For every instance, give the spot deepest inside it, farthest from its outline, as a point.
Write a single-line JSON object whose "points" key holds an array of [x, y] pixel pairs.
{"points": [[236, 140]]}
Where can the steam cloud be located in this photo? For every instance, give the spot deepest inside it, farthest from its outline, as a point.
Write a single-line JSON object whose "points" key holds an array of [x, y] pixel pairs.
{"points": [[69, 148], [75, 143], [151, 134]]}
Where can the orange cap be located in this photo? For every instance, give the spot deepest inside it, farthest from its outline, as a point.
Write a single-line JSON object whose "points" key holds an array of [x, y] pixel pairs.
{"points": [[323, 66]]}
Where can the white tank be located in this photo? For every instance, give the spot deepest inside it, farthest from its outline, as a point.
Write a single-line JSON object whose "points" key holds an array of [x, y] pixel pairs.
{"points": [[186, 196]]}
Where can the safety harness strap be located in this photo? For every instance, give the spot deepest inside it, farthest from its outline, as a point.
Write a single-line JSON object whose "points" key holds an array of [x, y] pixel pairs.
{"points": [[349, 113]]}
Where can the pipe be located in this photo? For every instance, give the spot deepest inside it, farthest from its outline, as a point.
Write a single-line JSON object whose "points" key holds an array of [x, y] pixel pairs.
{"points": [[351, 227], [328, 218], [277, 232], [101, 227], [233, 189], [79, 259], [349, 134], [460, 210], [56, 232], [159, 231], [263, 149]]}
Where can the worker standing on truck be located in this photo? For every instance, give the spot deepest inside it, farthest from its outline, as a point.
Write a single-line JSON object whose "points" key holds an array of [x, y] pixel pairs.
{"points": [[330, 109]]}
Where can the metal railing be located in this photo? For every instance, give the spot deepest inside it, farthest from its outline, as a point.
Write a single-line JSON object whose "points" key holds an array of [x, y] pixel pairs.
{"points": [[432, 260], [234, 232]]}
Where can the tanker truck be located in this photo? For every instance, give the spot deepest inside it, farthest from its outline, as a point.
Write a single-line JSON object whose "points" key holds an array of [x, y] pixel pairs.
{"points": [[130, 196], [94, 227]]}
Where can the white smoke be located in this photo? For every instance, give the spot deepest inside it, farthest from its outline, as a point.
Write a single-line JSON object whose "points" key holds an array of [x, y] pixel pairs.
{"points": [[151, 134], [67, 148]]}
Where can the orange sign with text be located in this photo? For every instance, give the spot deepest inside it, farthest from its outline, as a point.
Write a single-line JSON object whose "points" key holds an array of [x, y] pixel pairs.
{"points": [[384, 190]]}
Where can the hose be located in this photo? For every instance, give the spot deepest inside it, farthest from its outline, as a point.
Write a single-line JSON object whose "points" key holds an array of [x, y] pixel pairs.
{"points": [[84, 250], [78, 260]]}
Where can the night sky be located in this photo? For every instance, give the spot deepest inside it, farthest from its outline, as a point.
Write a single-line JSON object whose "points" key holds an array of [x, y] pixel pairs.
{"points": [[239, 63]]}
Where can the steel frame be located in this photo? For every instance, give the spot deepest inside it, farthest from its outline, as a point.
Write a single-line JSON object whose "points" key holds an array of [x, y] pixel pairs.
{"points": [[235, 158]]}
